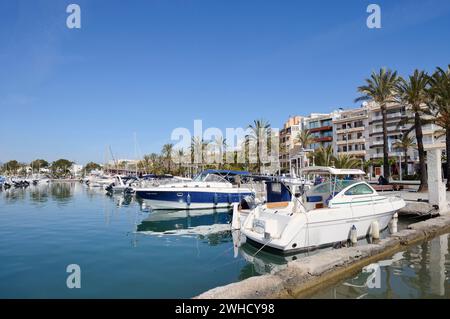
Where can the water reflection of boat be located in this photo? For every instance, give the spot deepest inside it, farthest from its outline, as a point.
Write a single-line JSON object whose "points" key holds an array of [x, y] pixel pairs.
{"points": [[121, 199], [263, 261], [185, 222]]}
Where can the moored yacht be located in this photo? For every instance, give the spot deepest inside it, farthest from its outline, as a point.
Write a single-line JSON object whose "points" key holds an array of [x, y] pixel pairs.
{"points": [[326, 214], [121, 184], [209, 189]]}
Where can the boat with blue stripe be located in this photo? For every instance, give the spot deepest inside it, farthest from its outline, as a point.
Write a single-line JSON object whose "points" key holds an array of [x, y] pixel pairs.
{"points": [[209, 189]]}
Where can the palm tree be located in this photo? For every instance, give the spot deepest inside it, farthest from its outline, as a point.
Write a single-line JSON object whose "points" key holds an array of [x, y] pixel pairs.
{"points": [[380, 88], [260, 133], [323, 156], [440, 95], [155, 163], [167, 155], [221, 144], [414, 95], [405, 143], [146, 163], [180, 157], [197, 147], [346, 161], [305, 138]]}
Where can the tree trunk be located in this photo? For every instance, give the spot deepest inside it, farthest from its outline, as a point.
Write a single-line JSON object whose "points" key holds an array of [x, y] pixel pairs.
{"points": [[386, 168], [447, 152], [406, 162], [423, 167], [258, 157]]}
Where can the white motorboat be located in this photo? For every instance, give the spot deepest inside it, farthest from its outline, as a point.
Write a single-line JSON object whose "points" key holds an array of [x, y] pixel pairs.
{"points": [[210, 189], [121, 184], [322, 216], [99, 181]]}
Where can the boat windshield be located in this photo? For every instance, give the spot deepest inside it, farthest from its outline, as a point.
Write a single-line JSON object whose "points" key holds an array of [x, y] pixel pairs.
{"points": [[208, 177], [335, 186]]}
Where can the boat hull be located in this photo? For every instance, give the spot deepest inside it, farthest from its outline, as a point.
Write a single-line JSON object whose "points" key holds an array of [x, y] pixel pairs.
{"points": [[329, 236], [181, 199], [319, 228]]}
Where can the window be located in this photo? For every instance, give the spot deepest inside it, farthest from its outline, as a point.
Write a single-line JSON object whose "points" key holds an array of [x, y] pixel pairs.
{"points": [[359, 124], [326, 123], [313, 124], [360, 189], [359, 135]]}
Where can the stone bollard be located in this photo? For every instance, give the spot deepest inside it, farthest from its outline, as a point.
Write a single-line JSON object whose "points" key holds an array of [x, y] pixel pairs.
{"points": [[436, 187]]}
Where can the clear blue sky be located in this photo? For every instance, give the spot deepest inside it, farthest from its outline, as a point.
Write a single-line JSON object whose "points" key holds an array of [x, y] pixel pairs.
{"points": [[150, 66]]}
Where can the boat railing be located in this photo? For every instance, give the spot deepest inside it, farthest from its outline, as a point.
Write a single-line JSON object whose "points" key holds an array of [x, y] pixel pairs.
{"points": [[391, 200]]}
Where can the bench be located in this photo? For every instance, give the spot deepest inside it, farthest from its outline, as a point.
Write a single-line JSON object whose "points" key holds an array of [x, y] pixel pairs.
{"points": [[384, 188], [277, 205]]}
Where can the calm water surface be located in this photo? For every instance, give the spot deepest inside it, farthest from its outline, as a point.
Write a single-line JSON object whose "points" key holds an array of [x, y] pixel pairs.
{"points": [[421, 271], [125, 251], [119, 248]]}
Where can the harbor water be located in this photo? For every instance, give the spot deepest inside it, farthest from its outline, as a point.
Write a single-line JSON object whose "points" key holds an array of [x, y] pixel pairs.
{"points": [[421, 271], [126, 251]]}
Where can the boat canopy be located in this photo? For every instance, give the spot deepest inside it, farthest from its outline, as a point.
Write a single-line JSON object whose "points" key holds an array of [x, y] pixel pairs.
{"points": [[331, 170], [225, 172]]}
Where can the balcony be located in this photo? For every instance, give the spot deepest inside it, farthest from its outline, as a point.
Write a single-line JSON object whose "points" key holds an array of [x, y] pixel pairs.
{"points": [[389, 116], [352, 141], [391, 154], [354, 153], [350, 130], [390, 130], [323, 139], [321, 128]]}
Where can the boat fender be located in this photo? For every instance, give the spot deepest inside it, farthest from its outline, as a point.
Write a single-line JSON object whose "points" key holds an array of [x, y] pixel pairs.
{"points": [[375, 230], [216, 199], [353, 235], [188, 199]]}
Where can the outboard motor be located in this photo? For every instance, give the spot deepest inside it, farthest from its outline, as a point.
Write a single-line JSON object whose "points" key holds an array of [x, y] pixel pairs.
{"points": [[248, 202]]}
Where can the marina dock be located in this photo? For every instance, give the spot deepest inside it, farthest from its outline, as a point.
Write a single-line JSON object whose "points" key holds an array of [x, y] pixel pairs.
{"points": [[303, 277]]}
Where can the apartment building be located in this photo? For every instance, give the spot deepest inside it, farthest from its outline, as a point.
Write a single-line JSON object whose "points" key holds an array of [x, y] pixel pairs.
{"points": [[357, 132], [321, 128], [351, 133], [396, 113], [288, 136]]}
